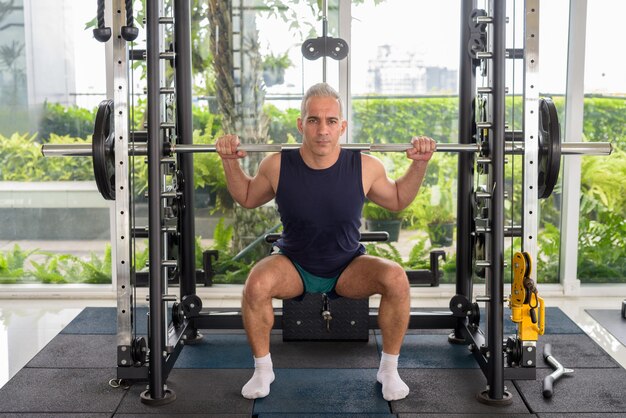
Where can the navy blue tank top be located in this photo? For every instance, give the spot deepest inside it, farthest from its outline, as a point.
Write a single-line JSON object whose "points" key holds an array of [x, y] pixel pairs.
{"points": [[321, 212]]}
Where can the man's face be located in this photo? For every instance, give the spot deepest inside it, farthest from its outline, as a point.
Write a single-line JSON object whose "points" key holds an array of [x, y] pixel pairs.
{"points": [[322, 125]]}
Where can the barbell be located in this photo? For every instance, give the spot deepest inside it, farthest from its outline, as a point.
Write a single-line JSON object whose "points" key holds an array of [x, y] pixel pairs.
{"points": [[102, 149]]}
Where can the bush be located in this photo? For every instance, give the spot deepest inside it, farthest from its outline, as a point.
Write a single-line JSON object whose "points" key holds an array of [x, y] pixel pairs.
{"points": [[603, 187], [397, 120], [283, 125], [70, 121], [21, 160], [18, 266]]}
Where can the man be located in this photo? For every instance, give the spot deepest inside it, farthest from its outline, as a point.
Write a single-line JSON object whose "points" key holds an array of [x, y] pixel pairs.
{"points": [[320, 190]]}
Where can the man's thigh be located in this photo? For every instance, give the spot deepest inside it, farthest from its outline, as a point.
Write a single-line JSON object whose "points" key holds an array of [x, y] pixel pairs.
{"points": [[277, 274], [364, 276]]}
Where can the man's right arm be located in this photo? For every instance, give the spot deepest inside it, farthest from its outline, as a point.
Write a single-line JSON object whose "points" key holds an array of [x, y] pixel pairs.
{"points": [[249, 192]]}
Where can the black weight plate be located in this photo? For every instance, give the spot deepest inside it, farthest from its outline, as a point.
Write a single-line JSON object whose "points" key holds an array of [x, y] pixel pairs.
{"points": [[549, 148], [103, 150]]}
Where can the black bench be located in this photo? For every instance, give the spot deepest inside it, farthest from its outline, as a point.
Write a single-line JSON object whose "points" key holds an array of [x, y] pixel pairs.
{"points": [[317, 317]]}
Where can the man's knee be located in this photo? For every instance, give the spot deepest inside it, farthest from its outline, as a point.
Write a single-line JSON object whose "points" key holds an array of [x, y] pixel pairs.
{"points": [[396, 280], [257, 285], [272, 278]]}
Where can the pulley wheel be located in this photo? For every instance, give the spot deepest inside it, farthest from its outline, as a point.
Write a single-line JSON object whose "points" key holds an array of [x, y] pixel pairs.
{"points": [[549, 148], [103, 150], [139, 350], [513, 351], [178, 315], [460, 306], [192, 305]]}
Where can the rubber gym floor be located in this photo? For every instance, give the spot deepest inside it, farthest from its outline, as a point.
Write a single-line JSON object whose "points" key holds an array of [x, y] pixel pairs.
{"points": [[70, 377]]}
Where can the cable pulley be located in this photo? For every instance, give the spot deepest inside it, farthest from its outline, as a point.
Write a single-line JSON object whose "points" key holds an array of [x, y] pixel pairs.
{"points": [[335, 48]]}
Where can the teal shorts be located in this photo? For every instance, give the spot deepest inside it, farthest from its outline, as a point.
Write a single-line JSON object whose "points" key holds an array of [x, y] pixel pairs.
{"points": [[311, 282]]}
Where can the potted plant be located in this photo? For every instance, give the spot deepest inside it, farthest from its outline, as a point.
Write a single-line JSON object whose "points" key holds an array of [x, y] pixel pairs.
{"points": [[434, 210], [274, 67], [441, 219], [380, 219]]}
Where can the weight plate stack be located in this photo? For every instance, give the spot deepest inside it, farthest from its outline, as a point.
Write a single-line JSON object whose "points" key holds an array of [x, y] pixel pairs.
{"points": [[549, 148], [103, 150]]}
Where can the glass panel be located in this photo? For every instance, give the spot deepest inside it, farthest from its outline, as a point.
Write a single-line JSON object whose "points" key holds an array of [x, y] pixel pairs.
{"points": [[53, 222], [553, 46], [271, 75], [602, 235], [404, 80]]}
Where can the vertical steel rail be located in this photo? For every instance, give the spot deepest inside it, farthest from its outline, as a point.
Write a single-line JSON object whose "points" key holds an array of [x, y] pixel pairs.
{"points": [[495, 277], [156, 329], [184, 126], [324, 34], [465, 184], [345, 90], [530, 218], [122, 192]]}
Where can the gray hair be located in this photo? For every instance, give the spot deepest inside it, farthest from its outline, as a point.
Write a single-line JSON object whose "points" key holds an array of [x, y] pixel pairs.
{"points": [[320, 90]]}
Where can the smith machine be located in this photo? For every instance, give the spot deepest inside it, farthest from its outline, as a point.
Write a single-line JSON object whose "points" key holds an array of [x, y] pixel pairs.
{"points": [[483, 143]]}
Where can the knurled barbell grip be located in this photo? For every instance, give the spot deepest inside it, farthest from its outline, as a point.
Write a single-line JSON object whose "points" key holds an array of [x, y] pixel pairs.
{"points": [[567, 148], [361, 147]]}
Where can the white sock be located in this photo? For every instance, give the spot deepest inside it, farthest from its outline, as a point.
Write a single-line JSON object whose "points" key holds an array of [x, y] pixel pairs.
{"points": [[259, 385], [393, 387]]}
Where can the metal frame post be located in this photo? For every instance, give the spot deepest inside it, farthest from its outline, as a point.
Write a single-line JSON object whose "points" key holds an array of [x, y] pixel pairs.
{"points": [[184, 133], [156, 330], [574, 109], [122, 192], [495, 272], [465, 172], [345, 89], [530, 216]]}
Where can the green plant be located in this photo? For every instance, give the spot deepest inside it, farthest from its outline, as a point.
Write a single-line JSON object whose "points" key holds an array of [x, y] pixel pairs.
{"points": [[273, 67], [602, 228], [441, 179], [12, 264], [602, 249], [97, 270], [419, 257], [547, 263], [372, 211], [63, 120], [48, 271], [209, 173], [385, 250], [283, 124], [141, 256], [396, 120], [603, 188], [21, 160], [228, 270], [280, 61], [17, 266]]}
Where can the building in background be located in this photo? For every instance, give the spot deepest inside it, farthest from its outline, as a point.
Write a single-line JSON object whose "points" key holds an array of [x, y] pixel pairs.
{"points": [[398, 72], [38, 59]]}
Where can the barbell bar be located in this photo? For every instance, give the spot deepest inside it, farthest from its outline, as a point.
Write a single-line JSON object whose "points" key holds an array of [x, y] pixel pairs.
{"points": [[550, 149], [85, 150]]}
